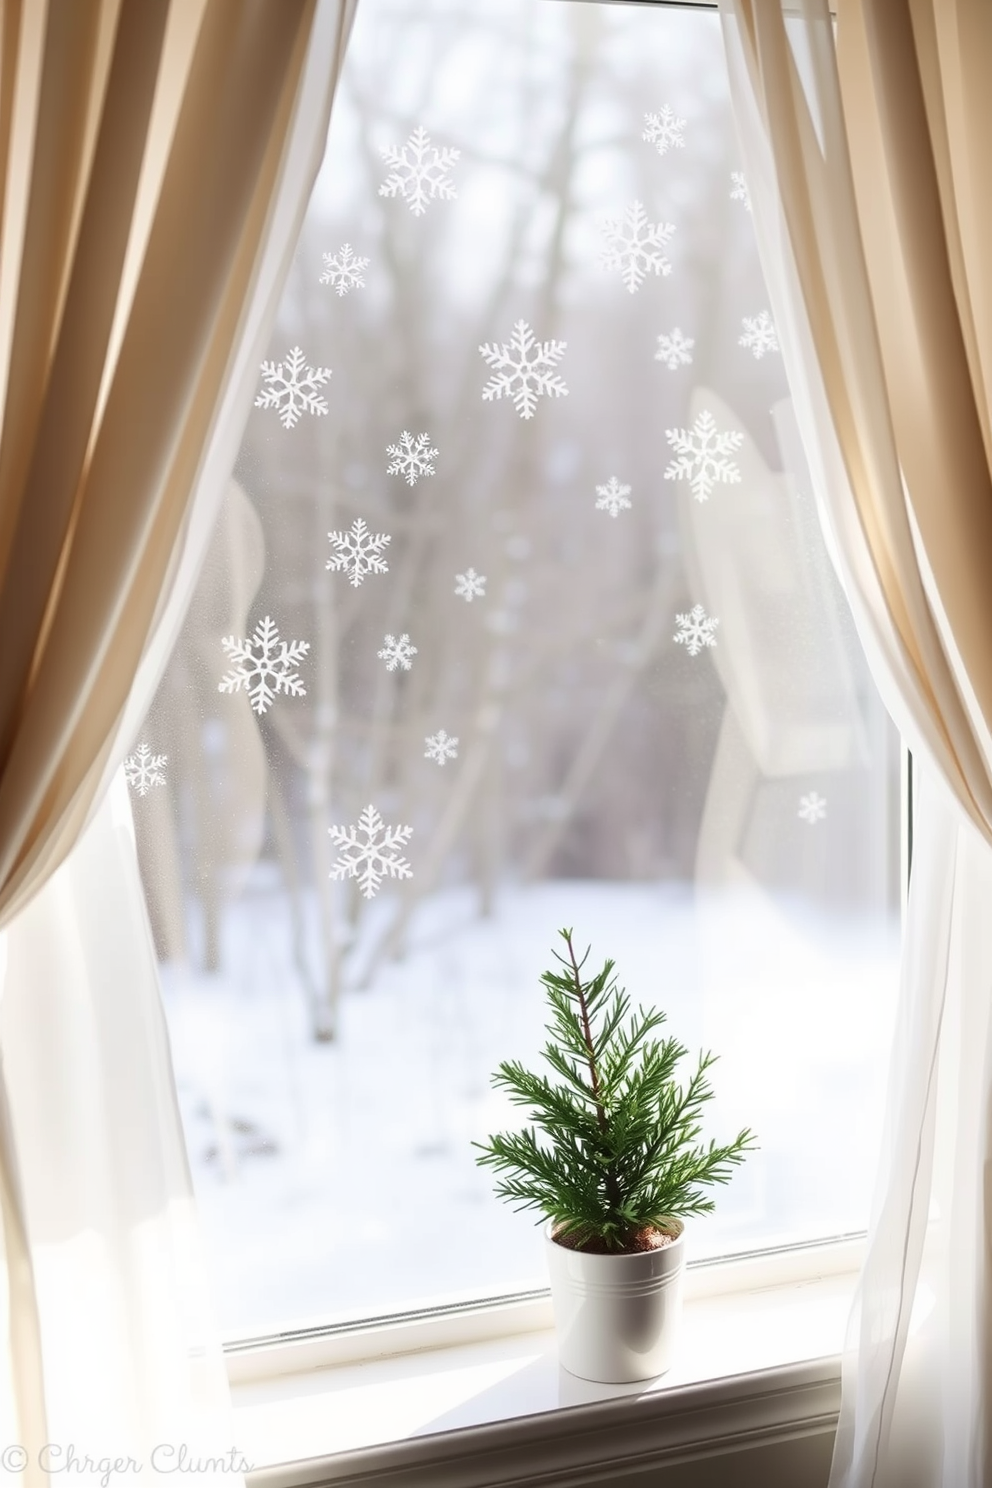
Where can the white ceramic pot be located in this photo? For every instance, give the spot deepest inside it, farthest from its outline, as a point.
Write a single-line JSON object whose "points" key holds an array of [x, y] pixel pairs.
{"points": [[617, 1316]]}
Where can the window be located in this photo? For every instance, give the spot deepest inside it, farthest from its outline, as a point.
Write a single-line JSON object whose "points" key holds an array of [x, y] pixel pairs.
{"points": [[573, 653]]}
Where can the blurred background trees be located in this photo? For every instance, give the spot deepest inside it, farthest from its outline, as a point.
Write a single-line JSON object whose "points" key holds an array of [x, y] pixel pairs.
{"points": [[587, 738]]}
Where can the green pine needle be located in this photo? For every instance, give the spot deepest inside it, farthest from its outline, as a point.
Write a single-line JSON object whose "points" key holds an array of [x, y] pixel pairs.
{"points": [[615, 1145]]}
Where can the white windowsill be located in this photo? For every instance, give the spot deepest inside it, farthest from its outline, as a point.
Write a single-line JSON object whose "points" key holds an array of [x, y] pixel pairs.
{"points": [[752, 1330]]}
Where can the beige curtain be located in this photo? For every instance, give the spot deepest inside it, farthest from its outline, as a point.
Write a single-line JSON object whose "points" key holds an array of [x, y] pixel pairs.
{"points": [[882, 172], [866, 148], [142, 147]]}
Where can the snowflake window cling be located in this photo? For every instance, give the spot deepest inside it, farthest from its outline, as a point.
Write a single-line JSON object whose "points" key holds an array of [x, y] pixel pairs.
{"points": [[142, 769], [664, 130], [441, 747], [633, 246], [613, 497], [524, 369], [264, 666], [419, 172], [292, 388], [369, 852], [343, 270], [739, 191], [695, 630], [812, 808], [359, 552], [397, 653], [704, 455], [675, 350], [470, 585], [759, 334], [412, 457]]}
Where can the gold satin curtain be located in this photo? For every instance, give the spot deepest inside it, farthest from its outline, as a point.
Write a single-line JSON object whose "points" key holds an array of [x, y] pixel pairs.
{"points": [[882, 168], [140, 141], [141, 144], [879, 225]]}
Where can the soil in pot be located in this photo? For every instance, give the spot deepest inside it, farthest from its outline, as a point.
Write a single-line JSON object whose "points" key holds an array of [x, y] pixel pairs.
{"points": [[647, 1238]]}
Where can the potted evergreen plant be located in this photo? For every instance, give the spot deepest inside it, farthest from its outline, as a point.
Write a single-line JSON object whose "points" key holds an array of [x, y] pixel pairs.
{"points": [[614, 1163]]}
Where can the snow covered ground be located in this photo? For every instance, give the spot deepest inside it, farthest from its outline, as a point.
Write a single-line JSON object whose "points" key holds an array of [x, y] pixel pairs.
{"points": [[338, 1179]]}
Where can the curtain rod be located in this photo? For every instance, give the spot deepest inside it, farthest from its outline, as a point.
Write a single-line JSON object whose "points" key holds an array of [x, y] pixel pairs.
{"points": [[675, 4], [671, 4]]}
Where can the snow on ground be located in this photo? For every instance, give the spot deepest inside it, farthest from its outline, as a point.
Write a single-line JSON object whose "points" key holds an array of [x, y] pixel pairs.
{"points": [[338, 1179]]}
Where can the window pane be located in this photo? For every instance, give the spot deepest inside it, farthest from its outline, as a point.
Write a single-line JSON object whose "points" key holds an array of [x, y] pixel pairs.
{"points": [[601, 674]]}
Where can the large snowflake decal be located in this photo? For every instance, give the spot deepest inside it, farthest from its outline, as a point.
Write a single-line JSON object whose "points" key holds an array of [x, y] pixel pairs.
{"points": [[359, 552], [695, 630], [739, 191], [441, 747], [344, 270], [703, 455], [470, 585], [264, 666], [419, 172], [664, 130], [613, 497], [144, 769], [368, 851], [397, 653], [675, 350], [524, 369], [812, 808], [633, 245], [293, 388], [412, 457], [759, 334]]}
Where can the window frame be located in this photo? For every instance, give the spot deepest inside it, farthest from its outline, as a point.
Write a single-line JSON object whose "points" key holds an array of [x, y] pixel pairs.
{"points": [[480, 1319], [473, 1318]]}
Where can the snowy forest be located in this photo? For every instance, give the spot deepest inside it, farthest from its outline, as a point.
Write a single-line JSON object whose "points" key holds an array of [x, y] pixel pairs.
{"points": [[601, 670]]}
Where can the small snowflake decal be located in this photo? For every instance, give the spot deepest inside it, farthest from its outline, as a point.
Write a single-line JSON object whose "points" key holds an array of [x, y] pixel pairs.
{"points": [[664, 130], [264, 666], [470, 585], [358, 552], [759, 334], [411, 457], [397, 653], [419, 172], [343, 270], [675, 350], [293, 388], [613, 497], [520, 375], [739, 191], [703, 455], [144, 769], [812, 808], [440, 747], [368, 852], [695, 630], [632, 246]]}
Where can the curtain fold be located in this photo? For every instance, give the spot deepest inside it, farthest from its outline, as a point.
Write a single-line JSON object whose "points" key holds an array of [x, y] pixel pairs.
{"points": [[109, 498], [865, 152], [156, 158]]}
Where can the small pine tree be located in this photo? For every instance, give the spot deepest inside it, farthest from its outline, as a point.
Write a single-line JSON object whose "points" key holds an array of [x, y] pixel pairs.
{"points": [[618, 1153]]}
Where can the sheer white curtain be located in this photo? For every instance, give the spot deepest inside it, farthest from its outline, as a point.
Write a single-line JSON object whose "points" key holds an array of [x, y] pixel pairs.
{"points": [[132, 1366], [916, 1369], [131, 1361]]}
